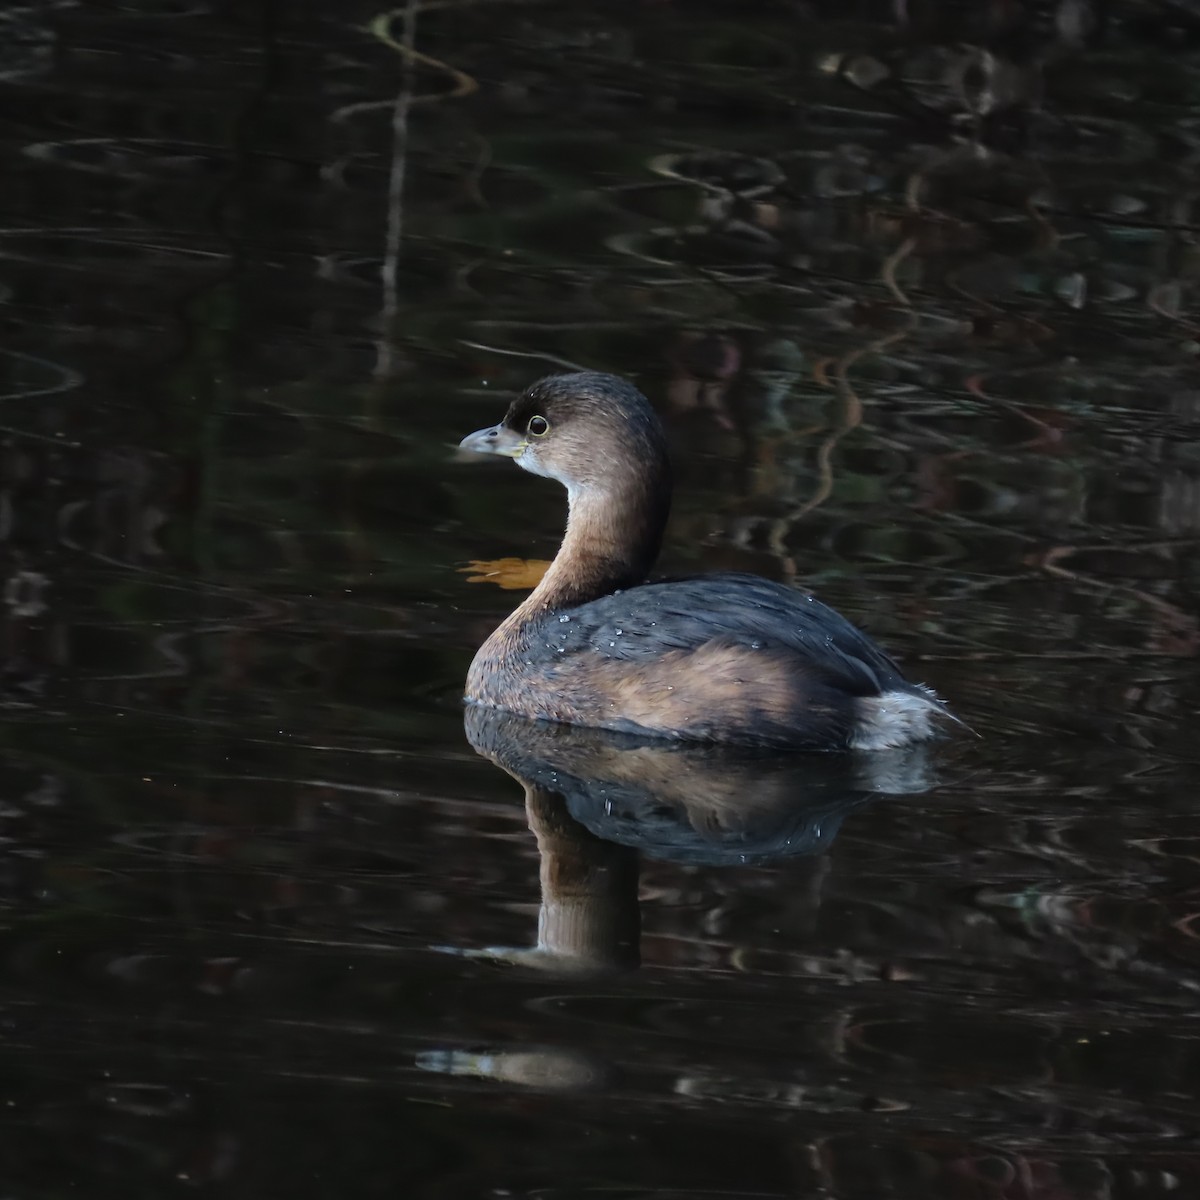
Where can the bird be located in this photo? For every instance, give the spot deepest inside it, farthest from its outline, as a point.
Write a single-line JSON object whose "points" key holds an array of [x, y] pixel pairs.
{"points": [[721, 658]]}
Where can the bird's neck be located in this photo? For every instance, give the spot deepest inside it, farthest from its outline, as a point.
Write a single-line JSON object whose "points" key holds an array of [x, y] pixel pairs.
{"points": [[613, 537]]}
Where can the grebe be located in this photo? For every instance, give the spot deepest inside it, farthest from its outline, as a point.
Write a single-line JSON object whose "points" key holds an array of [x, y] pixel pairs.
{"points": [[717, 658]]}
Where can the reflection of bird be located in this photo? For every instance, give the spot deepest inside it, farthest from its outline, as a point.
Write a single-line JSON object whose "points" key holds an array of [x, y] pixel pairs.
{"points": [[597, 800], [685, 802], [723, 658]]}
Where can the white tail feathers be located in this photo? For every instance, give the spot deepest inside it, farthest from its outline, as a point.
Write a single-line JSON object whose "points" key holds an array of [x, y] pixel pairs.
{"points": [[897, 719]]}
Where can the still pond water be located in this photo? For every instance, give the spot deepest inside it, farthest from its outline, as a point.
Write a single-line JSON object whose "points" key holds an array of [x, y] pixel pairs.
{"points": [[915, 289]]}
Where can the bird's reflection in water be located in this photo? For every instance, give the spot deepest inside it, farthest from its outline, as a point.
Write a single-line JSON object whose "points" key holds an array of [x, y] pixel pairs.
{"points": [[597, 801]]}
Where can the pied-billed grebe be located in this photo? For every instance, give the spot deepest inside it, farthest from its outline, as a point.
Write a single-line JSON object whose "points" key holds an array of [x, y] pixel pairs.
{"points": [[720, 658]]}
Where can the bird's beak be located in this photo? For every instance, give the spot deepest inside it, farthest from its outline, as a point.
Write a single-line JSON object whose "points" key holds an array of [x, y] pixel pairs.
{"points": [[496, 439]]}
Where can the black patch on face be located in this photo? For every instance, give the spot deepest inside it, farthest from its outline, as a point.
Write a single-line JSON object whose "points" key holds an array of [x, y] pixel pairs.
{"points": [[521, 411], [585, 394]]}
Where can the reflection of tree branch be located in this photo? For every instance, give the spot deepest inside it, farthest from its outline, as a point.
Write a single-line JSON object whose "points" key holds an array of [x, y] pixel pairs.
{"points": [[1046, 241], [1049, 236], [1047, 434], [464, 85], [67, 381], [472, 178], [1162, 298], [852, 408], [535, 354], [1109, 654], [559, 326], [380, 28], [385, 362], [1180, 623], [448, 5]]}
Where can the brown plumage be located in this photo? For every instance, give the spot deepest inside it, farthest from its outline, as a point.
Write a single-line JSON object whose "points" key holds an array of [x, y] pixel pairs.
{"points": [[723, 658]]}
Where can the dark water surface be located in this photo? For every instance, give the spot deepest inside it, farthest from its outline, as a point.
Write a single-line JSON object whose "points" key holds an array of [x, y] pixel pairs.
{"points": [[915, 287]]}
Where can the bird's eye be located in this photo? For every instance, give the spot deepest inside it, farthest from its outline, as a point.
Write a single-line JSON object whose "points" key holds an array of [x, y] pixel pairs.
{"points": [[539, 426]]}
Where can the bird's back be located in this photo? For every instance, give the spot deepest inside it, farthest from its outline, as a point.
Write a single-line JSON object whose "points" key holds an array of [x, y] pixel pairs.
{"points": [[727, 658]]}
